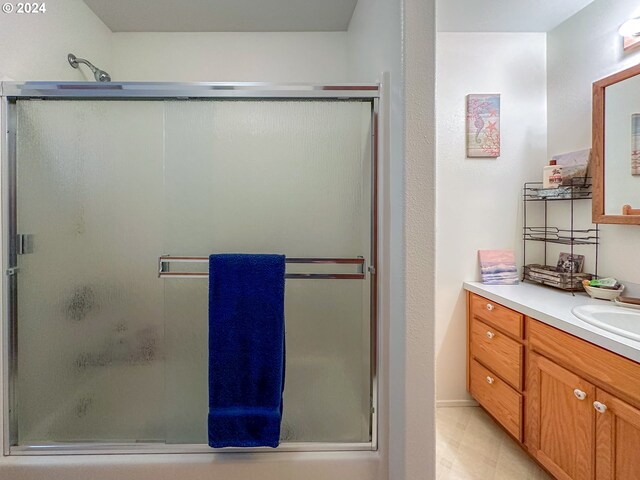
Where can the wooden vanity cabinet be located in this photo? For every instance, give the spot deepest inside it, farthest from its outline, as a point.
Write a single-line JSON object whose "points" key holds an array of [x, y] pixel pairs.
{"points": [[578, 431], [617, 439], [560, 419], [595, 434], [578, 414], [496, 361]]}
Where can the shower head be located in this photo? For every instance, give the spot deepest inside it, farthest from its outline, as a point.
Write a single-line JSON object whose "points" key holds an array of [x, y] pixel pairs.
{"points": [[99, 75]]}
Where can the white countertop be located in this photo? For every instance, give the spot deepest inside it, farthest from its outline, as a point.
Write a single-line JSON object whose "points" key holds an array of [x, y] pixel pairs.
{"points": [[553, 307]]}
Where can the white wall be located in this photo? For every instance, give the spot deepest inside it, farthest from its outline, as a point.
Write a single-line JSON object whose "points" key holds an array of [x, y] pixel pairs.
{"points": [[374, 46], [35, 46], [317, 57], [478, 200], [378, 43], [580, 51], [419, 41]]}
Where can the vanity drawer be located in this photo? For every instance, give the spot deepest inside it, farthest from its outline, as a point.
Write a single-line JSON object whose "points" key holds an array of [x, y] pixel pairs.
{"points": [[495, 314], [500, 353], [497, 397]]}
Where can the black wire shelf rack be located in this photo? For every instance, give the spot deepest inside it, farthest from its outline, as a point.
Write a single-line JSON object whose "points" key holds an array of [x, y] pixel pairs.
{"points": [[578, 190]]}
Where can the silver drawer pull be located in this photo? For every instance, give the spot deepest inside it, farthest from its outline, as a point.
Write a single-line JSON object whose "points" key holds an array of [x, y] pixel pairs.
{"points": [[490, 335], [580, 395], [490, 307], [490, 380], [600, 407]]}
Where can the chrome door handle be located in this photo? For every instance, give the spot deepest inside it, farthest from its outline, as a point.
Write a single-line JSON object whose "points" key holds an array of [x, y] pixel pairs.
{"points": [[490, 380], [490, 335], [490, 307]]}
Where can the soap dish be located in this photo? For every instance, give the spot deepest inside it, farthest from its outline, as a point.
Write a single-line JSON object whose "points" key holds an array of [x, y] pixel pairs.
{"points": [[604, 293]]}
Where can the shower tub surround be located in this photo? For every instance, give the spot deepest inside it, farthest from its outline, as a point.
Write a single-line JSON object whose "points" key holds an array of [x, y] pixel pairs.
{"points": [[112, 359]]}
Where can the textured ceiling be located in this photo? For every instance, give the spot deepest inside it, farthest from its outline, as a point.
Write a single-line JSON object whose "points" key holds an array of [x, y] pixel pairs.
{"points": [[224, 15], [505, 15]]}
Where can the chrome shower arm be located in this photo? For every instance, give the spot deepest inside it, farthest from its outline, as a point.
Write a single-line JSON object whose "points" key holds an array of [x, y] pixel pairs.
{"points": [[99, 75]]}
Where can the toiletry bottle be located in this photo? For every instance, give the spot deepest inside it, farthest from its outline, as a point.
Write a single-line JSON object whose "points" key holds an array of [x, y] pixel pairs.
{"points": [[552, 175]]}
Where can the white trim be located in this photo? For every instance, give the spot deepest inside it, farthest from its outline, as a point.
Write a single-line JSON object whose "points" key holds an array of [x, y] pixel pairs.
{"points": [[166, 90], [456, 403], [165, 449]]}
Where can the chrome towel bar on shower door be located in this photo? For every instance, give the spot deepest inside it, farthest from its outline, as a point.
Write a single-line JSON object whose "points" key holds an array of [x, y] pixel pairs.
{"points": [[165, 272]]}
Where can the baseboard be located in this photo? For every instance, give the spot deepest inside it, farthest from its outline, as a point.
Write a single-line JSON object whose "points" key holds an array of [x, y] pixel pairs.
{"points": [[456, 403]]}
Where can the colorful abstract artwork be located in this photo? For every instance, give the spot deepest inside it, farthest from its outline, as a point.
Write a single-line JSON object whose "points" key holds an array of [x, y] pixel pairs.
{"points": [[635, 144], [498, 267], [483, 125]]}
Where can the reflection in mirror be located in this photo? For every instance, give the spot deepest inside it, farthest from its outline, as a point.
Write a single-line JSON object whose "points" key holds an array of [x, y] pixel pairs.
{"points": [[616, 148], [622, 146]]}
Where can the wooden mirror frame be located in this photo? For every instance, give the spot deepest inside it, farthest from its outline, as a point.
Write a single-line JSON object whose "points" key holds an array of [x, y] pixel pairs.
{"points": [[597, 152]]}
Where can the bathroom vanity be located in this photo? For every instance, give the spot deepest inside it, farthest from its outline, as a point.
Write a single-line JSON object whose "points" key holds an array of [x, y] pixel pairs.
{"points": [[566, 391]]}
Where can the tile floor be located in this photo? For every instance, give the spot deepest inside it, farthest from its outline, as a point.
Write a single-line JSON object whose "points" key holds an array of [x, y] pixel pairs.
{"points": [[470, 446]]}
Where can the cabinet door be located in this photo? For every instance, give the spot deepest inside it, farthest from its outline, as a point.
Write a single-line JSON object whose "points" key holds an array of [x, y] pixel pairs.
{"points": [[617, 439], [560, 419]]}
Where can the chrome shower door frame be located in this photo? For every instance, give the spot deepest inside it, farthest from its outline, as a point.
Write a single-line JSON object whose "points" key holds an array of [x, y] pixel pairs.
{"points": [[12, 92]]}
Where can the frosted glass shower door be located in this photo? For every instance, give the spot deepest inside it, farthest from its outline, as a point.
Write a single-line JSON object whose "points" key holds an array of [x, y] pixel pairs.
{"points": [[90, 307], [288, 177], [108, 352]]}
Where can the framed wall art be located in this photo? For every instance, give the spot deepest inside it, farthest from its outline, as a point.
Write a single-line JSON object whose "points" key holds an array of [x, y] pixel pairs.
{"points": [[483, 125], [498, 267]]}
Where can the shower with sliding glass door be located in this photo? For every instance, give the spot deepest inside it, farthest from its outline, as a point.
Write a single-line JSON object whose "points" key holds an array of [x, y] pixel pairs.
{"points": [[113, 197]]}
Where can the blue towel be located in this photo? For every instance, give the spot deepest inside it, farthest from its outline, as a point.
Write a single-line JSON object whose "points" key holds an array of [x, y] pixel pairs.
{"points": [[246, 349]]}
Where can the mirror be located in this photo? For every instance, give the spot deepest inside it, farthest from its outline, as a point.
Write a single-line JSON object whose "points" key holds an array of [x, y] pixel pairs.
{"points": [[616, 148]]}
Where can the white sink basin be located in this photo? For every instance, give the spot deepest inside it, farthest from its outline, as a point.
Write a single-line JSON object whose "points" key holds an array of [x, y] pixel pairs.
{"points": [[621, 321]]}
